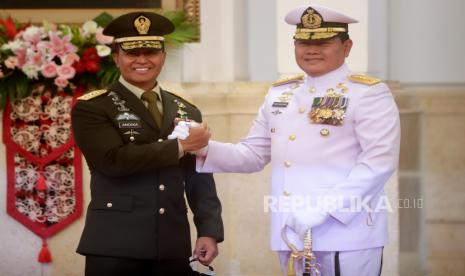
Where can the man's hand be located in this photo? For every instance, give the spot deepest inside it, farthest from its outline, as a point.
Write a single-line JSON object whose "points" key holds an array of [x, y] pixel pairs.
{"points": [[302, 220], [197, 139], [206, 250]]}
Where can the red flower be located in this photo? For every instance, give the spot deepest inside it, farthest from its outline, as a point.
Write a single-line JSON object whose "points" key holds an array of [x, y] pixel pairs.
{"points": [[92, 66], [91, 60], [90, 54], [9, 27], [79, 67]]}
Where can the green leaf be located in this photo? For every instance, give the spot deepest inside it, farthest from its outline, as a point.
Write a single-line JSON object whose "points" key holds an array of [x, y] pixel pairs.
{"points": [[22, 87], [103, 19], [185, 31], [68, 90], [3, 95], [11, 89]]}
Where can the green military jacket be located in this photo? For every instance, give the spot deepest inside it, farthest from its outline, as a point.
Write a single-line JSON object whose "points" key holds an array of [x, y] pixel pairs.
{"points": [[138, 183]]}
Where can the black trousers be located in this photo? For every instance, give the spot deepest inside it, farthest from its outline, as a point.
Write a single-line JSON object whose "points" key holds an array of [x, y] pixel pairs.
{"points": [[110, 266]]}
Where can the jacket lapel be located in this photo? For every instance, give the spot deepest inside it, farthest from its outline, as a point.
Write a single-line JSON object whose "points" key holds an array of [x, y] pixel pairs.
{"points": [[134, 104], [170, 109]]}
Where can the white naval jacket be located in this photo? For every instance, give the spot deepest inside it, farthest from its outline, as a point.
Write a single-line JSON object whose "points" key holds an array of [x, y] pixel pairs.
{"points": [[354, 160]]}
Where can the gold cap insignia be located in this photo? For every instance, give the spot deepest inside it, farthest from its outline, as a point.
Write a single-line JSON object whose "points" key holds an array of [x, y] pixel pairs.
{"points": [[311, 19], [142, 25]]}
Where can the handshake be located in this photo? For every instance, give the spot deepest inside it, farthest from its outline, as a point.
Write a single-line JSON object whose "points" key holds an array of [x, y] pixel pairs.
{"points": [[192, 136]]}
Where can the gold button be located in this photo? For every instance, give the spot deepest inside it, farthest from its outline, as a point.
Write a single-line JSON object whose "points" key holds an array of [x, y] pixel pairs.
{"points": [[273, 130], [286, 193], [161, 187], [324, 132], [287, 164], [301, 110], [312, 90], [160, 140], [292, 137], [161, 211], [109, 204], [131, 138]]}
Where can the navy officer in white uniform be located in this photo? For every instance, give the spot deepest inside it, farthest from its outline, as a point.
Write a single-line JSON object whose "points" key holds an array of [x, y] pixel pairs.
{"points": [[328, 134]]}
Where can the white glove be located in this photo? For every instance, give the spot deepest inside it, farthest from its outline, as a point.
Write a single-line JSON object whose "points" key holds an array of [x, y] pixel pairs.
{"points": [[181, 131], [192, 124], [302, 220]]}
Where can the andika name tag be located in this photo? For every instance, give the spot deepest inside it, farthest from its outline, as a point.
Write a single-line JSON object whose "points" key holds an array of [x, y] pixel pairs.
{"points": [[129, 124]]}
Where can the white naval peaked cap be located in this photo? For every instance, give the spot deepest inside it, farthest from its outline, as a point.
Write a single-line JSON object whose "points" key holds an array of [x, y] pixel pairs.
{"points": [[318, 22]]}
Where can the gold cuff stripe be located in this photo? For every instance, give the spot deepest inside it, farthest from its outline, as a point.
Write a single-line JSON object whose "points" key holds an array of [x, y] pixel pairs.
{"points": [[139, 38]]}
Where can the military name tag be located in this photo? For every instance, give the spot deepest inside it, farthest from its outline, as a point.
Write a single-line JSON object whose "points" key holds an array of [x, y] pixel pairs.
{"points": [[280, 104], [129, 124]]}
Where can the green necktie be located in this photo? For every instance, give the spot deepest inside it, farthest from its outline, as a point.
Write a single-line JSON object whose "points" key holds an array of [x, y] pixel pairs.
{"points": [[152, 98]]}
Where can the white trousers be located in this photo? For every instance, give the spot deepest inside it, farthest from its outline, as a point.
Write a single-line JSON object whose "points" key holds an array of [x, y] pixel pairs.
{"points": [[365, 262]]}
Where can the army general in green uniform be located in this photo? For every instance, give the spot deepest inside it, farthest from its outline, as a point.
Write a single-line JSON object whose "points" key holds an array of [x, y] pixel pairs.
{"points": [[136, 221]]}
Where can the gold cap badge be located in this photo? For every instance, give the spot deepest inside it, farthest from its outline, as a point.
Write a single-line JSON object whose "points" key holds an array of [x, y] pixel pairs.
{"points": [[311, 19], [142, 25]]}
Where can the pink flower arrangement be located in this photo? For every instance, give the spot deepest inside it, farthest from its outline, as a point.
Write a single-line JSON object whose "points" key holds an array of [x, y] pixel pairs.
{"points": [[63, 58], [34, 56], [60, 57]]}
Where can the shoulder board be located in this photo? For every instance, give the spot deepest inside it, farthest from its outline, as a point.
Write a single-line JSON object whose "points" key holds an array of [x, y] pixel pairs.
{"points": [[182, 98], [364, 79], [93, 94], [288, 80]]}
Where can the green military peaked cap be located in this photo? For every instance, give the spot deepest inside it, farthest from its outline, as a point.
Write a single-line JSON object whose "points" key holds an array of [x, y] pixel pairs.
{"points": [[139, 30]]}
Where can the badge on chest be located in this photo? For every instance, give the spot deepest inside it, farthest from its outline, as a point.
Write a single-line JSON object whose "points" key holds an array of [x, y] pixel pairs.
{"points": [[330, 109], [284, 99]]}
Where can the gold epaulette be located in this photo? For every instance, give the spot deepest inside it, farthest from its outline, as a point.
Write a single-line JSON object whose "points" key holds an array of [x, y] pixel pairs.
{"points": [[364, 79], [183, 98], [288, 80], [93, 94]]}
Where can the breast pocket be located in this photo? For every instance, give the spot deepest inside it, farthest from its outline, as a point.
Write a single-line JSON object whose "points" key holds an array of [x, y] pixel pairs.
{"points": [[120, 203]]}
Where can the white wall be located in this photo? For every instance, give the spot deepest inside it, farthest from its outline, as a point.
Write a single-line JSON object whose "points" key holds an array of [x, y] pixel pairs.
{"points": [[358, 60], [378, 39], [220, 55], [261, 40], [249, 40], [427, 41]]}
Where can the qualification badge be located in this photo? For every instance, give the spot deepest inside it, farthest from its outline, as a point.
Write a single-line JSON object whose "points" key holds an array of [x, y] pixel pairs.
{"points": [[181, 113]]}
